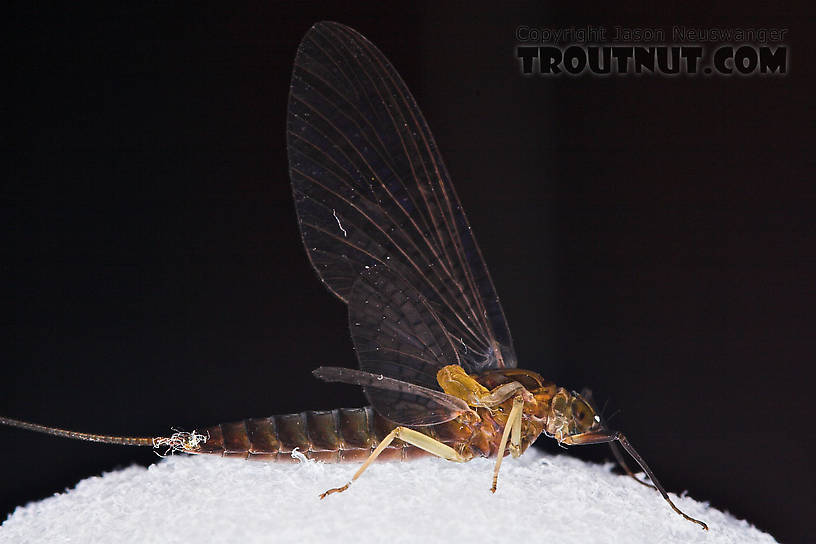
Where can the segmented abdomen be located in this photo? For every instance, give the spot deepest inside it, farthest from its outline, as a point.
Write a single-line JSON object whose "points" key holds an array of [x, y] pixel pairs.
{"points": [[342, 435]]}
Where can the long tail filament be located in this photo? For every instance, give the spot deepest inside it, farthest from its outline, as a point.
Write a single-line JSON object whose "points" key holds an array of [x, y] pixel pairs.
{"points": [[179, 441]]}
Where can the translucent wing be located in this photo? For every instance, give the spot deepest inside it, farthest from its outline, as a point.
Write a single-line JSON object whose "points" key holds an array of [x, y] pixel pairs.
{"points": [[397, 333], [413, 404], [371, 190]]}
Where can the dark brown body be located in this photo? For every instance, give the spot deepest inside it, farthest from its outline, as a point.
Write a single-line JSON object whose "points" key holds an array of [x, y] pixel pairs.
{"points": [[333, 436], [351, 434]]}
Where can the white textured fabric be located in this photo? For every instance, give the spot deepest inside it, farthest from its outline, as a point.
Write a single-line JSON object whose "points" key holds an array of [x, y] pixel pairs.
{"points": [[541, 498]]}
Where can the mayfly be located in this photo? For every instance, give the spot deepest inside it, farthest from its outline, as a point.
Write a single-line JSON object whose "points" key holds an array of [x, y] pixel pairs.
{"points": [[384, 229]]}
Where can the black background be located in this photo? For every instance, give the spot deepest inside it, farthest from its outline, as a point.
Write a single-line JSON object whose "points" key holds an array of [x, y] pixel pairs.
{"points": [[651, 237]]}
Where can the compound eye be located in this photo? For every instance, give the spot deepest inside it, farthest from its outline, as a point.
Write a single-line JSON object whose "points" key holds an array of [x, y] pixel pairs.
{"points": [[583, 415]]}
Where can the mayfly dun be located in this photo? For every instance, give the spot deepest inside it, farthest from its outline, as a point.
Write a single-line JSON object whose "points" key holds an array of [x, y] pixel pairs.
{"points": [[384, 229]]}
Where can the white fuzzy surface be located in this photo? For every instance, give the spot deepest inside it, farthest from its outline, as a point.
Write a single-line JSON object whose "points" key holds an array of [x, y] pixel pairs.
{"points": [[541, 498]]}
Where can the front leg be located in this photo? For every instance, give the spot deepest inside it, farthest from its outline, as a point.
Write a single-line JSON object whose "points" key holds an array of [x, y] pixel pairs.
{"points": [[410, 436]]}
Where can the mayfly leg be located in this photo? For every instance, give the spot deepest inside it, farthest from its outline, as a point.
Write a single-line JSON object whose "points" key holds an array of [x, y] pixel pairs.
{"points": [[606, 436], [586, 393], [409, 436], [512, 430], [622, 462]]}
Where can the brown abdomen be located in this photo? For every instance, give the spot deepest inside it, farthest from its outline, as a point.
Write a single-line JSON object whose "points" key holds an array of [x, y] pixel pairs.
{"points": [[342, 435]]}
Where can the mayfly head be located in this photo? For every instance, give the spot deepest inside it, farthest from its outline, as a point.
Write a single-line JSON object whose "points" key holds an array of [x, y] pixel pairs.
{"points": [[570, 415]]}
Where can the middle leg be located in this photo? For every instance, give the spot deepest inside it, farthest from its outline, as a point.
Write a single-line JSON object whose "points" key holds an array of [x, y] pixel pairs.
{"points": [[513, 425]]}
